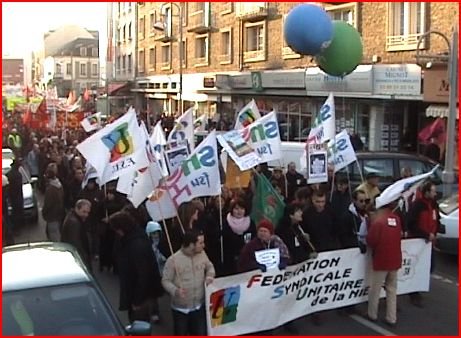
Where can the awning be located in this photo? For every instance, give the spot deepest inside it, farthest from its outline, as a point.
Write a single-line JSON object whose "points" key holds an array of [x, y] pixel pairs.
{"points": [[158, 96], [113, 87], [193, 97], [437, 110]]}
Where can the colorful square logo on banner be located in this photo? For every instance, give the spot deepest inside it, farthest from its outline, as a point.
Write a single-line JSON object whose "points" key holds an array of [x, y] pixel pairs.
{"points": [[119, 142], [223, 306]]}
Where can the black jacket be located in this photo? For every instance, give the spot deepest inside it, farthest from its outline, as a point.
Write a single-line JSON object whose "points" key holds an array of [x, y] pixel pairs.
{"points": [[348, 226], [137, 269], [321, 226], [293, 237]]}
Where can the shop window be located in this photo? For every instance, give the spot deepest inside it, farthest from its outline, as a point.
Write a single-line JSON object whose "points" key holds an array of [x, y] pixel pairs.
{"points": [[254, 42], [406, 23]]}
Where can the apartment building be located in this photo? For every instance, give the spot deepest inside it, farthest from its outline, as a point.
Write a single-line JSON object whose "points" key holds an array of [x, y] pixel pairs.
{"points": [[233, 52], [12, 72]]}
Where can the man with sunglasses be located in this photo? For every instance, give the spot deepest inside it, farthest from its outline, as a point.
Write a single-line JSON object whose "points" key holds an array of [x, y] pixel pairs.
{"points": [[370, 187], [353, 220]]}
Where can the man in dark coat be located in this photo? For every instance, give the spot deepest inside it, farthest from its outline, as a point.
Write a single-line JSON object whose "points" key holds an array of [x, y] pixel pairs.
{"points": [[352, 219], [138, 272], [341, 198], [73, 230], [15, 194], [294, 181]]}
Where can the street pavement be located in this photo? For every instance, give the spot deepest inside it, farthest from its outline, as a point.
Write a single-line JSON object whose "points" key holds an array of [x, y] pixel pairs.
{"points": [[439, 317]]}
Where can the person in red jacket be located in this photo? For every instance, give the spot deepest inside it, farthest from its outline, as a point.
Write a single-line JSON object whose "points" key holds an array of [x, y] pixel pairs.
{"points": [[422, 221], [384, 241]]}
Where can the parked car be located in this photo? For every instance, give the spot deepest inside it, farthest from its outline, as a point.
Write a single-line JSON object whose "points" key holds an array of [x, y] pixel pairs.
{"points": [[388, 165], [30, 198], [448, 235], [47, 291]]}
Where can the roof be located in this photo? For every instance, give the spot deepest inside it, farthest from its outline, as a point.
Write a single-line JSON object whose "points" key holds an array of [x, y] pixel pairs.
{"points": [[35, 265], [62, 36]]}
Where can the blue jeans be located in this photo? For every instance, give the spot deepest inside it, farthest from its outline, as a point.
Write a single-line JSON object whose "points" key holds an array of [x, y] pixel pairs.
{"points": [[191, 324]]}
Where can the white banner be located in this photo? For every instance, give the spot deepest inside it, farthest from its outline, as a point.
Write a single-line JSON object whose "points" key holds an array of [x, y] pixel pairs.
{"points": [[197, 176], [324, 128], [117, 149], [247, 115], [264, 137], [256, 301], [341, 153], [157, 139], [183, 129], [317, 164], [243, 155], [92, 122]]}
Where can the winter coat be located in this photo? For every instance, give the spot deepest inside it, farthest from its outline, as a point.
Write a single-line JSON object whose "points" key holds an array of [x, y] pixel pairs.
{"points": [[423, 218], [247, 260], [138, 280], [321, 226], [53, 203], [73, 232], [348, 226], [233, 244], [189, 273], [292, 236], [384, 240]]}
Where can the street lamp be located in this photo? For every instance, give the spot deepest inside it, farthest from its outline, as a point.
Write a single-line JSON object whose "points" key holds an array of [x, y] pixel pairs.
{"points": [[161, 26], [448, 175]]}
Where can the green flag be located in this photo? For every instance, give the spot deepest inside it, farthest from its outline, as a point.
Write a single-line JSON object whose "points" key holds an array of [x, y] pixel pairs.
{"points": [[267, 202]]}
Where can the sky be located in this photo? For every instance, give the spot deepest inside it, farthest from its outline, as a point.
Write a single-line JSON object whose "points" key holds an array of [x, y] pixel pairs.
{"points": [[23, 24]]}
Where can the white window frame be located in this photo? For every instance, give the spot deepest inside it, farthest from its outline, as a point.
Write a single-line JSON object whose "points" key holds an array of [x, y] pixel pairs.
{"points": [[152, 64], [255, 55], [202, 61], [287, 52], [351, 6], [225, 59], [83, 71], [165, 65], [396, 41], [141, 60]]}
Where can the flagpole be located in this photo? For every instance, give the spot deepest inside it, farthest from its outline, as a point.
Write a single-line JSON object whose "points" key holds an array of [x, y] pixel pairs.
{"points": [[360, 171], [220, 228]]}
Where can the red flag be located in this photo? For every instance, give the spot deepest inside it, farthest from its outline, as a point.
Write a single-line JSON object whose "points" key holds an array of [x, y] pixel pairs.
{"points": [[436, 129], [86, 95], [27, 117], [42, 113]]}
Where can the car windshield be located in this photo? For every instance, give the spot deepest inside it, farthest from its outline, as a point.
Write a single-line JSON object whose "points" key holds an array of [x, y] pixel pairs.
{"points": [[448, 205], [63, 310]]}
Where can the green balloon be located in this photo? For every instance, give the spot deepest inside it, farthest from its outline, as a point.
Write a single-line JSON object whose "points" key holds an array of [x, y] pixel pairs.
{"points": [[344, 53]]}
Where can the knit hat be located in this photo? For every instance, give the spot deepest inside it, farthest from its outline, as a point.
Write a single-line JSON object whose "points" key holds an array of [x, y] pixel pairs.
{"points": [[266, 224], [152, 227]]}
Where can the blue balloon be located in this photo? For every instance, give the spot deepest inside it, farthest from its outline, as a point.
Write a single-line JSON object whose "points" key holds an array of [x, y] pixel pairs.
{"points": [[308, 29]]}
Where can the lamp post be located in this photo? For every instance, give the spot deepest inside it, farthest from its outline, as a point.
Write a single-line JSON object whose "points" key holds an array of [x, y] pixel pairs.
{"points": [[162, 27], [448, 175]]}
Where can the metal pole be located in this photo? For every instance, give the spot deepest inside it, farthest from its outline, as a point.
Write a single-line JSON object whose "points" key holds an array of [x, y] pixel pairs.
{"points": [[448, 174], [181, 59]]}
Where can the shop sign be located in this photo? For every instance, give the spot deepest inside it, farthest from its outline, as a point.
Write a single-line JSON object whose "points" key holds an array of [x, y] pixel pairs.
{"points": [[398, 80], [264, 80], [359, 81], [436, 87]]}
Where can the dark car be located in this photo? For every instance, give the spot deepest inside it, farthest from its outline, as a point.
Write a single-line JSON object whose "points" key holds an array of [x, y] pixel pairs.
{"points": [[47, 291], [389, 165]]}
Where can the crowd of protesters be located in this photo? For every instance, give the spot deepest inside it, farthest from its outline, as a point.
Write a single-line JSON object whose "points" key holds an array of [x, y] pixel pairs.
{"points": [[214, 234]]}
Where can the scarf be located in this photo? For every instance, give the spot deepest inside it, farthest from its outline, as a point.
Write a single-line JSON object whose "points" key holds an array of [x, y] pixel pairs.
{"points": [[238, 225], [363, 230]]}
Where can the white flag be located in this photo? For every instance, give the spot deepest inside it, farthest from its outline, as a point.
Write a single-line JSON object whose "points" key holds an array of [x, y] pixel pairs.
{"points": [[117, 149], [200, 123], [247, 115], [140, 184], [90, 173], [92, 122], [183, 129], [341, 153], [198, 176], [394, 191], [324, 127], [158, 140]]}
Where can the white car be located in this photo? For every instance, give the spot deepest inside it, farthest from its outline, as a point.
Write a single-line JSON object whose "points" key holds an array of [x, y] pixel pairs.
{"points": [[448, 235], [30, 200]]}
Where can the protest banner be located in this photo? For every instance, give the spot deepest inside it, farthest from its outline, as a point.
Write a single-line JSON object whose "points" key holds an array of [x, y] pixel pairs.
{"points": [[341, 153], [239, 150], [256, 301], [317, 171]]}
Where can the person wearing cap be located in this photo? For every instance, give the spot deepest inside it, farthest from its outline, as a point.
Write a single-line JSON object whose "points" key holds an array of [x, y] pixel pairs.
{"points": [[154, 231], [384, 241], [370, 187], [265, 239]]}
